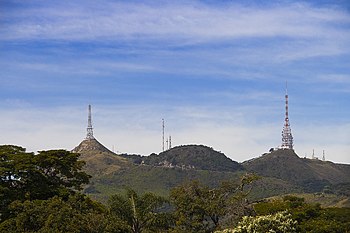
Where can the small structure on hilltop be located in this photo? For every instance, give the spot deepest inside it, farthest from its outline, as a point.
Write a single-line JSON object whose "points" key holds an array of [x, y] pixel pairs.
{"points": [[317, 158]]}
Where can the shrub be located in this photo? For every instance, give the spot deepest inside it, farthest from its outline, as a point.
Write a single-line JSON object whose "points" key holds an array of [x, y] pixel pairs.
{"points": [[280, 222]]}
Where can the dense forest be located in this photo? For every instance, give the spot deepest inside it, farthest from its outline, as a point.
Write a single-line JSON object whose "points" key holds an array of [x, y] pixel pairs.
{"points": [[42, 193]]}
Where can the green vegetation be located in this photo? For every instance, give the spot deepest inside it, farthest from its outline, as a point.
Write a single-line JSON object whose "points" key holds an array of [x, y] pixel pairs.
{"points": [[199, 208], [310, 217], [310, 175], [159, 180], [197, 157], [280, 222], [41, 193], [141, 213], [28, 176], [282, 172], [76, 214]]}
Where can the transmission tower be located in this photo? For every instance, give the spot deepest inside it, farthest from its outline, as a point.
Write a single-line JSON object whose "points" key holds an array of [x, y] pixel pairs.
{"points": [[90, 134], [287, 138]]}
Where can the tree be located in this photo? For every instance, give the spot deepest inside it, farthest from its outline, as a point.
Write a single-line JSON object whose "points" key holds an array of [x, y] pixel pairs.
{"points": [[140, 212], [77, 214], [199, 208], [310, 216], [29, 176]]}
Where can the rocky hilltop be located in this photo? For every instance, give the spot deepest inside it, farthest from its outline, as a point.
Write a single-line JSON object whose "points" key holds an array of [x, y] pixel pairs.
{"points": [[88, 146], [99, 160]]}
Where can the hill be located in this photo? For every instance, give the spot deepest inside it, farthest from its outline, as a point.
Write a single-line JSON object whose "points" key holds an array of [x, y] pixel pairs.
{"points": [[311, 175], [155, 173], [281, 171], [196, 157], [99, 160]]}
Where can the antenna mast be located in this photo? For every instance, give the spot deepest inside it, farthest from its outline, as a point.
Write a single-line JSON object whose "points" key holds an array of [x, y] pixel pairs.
{"points": [[287, 138], [90, 134], [169, 141], [323, 156], [163, 133]]}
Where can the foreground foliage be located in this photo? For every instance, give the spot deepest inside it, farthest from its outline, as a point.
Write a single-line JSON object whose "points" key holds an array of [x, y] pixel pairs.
{"points": [[199, 208], [280, 222], [141, 213], [310, 217], [77, 214], [28, 176]]}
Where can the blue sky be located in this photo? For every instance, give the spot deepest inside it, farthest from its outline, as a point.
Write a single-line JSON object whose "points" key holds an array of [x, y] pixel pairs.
{"points": [[214, 70]]}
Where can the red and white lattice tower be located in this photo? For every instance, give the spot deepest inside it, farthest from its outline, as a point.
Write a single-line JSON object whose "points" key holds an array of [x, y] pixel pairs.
{"points": [[287, 138]]}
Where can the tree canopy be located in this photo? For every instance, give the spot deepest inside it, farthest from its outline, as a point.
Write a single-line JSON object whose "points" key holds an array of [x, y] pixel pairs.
{"points": [[199, 208], [142, 213], [29, 176]]}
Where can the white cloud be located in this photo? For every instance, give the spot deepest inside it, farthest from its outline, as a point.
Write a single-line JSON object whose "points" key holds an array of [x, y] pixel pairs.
{"points": [[187, 40], [137, 129], [195, 21], [343, 79]]}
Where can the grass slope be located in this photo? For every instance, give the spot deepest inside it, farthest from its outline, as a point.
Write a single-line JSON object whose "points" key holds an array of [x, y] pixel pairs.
{"points": [[281, 172], [311, 175], [197, 157]]}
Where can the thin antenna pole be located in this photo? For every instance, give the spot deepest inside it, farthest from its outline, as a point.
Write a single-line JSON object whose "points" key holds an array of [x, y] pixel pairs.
{"points": [[287, 100], [163, 133], [169, 141], [323, 156]]}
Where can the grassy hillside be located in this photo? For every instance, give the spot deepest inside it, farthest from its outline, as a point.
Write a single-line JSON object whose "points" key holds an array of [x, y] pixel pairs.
{"points": [[269, 186], [311, 175], [196, 157], [99, 160], [281, 171], [325, 200], [332, 172], [159, 180], [112, 173]]}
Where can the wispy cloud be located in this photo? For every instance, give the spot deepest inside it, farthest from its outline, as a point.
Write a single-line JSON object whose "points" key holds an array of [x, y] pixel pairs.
{"points": [[195, 21], [123, 128], [215, 71]]}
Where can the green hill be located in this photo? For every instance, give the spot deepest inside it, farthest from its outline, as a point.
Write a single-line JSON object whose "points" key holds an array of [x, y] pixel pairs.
{"points": [[113, 173], [311, 175], [281, 171], [196, 157]]}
